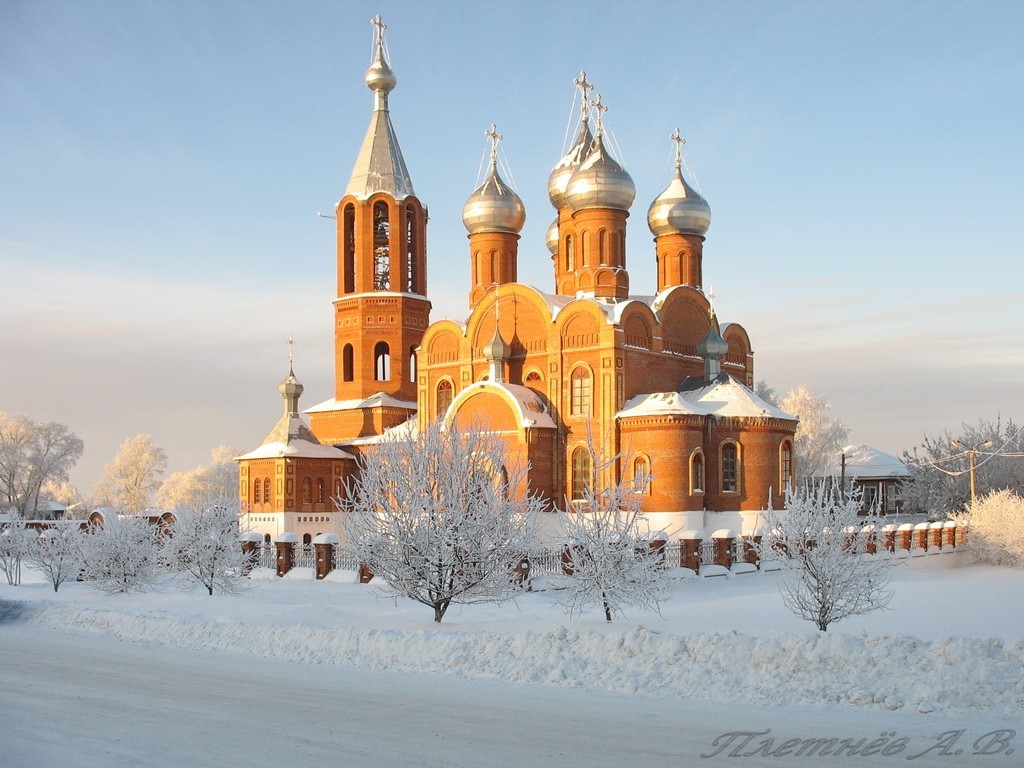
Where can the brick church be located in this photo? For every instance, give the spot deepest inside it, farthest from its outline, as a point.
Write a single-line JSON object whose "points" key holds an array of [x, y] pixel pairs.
{"points": [[653, 377]]}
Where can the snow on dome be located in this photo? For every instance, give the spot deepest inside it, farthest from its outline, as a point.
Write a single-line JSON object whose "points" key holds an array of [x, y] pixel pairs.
{"points": [[727, 397], [296, 448], [865, 461]]}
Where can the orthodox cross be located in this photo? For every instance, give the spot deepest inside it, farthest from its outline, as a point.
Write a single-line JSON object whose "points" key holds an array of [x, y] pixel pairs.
{"points": [[711, 301], [495, 137], [600, 109], [585, 88], [679, 141], [291, 348], [381, 26]]}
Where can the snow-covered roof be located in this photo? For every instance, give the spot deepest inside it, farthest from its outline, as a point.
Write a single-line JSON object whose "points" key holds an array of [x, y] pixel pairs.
{"points": [[407, 430], [296, 449], [863, 461], [532, 412], [723, 397], [380, 399]]}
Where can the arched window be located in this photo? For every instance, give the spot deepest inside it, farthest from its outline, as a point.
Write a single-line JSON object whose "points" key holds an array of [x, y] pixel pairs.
{"points": [[307, 490], [534, 381], [257, 486], [642, 475], [581, 391], [320, 490], [266, 538], [266, 490], [381, 247], [307, 539], [602, 247], [730, 468], [582, 473], [412, 267], [443, 398], [697, 472], [348, 261], [570, 253], [412, 364], [382, 361], [347, 363], [785, 465]]}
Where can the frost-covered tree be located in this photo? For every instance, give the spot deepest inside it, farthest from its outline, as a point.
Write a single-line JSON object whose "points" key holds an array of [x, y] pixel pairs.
{"points": [[819, 437], [441, 517], [57, 553], [129, 481], [31, 454], [204, 547], [826, 573], [16, 542], [121, 555], [996, 524], [218, 479], [940, 468], [607, 545]]}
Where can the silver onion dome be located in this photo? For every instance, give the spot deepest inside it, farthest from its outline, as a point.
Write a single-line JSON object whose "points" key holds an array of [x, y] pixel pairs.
{"points": [[713, 345], [495, 349], [679, 210], [290, 387], [551, 239], [600, 182], [558, 179], [494, 206]]}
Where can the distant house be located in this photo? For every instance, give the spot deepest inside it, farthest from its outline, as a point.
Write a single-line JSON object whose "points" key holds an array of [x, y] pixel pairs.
{"points": [[878, 475]]}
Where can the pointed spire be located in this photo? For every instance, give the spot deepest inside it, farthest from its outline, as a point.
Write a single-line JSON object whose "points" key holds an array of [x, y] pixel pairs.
{"points": [[496, 351], [380, 166]]}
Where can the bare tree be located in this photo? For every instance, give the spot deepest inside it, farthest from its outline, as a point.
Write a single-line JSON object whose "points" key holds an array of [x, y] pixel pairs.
{"points": [[58, 553], [608, 547], [220, 478], [129, 481], [819, 438], [441, 518], [204, 545], [16, 543], [31, 454], [940, 468], [996, 525], [827, 575], [121, 555]]}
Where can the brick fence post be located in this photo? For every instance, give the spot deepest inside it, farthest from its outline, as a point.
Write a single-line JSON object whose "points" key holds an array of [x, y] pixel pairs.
{"points": [[324, 545], [251, 542], [889, 537], [903, 537], [920, 536], [285, 546], [723, 539], [949, 534], [689, 550]]}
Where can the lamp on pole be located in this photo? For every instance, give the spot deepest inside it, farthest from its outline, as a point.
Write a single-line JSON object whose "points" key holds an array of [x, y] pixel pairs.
{"points": [[972, 453]]}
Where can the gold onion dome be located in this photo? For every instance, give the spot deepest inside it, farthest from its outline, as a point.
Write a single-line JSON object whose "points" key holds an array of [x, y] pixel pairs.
{"points": [[494, 207], [551, 239], [679, 209], [559, 177], [600, 182]]}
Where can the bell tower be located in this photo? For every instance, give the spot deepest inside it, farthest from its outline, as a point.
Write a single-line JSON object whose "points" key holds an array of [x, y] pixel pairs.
{"points": [[382, 309]]}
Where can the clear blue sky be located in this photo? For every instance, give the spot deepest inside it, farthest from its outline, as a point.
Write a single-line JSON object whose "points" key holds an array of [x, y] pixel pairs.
{"points": [[161, 164]]}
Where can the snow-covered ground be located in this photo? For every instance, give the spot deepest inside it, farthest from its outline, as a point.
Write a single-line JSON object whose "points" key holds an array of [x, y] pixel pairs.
{"points": [[300, 672]]}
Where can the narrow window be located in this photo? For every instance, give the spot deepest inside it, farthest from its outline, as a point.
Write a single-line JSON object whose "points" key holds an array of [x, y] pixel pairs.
{"points": [[602, 247], [570, 253], [257, 497], [581, 392], [786, 466], [412, 364], [320, 491], [381, 247], [382, 361], [266, 490], [306, 539], [347, 363], [307, 490], [582, 474], [412, 269], [348, 262], [444, 396], [729, 467], [642, 475], [697, 473]]}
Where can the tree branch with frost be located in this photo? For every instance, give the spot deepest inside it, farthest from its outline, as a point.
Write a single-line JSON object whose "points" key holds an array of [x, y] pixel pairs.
{"points": [[57, 553], [16, 543], [442, 517], [203, 545], [121, 555], [827, 574], [607, 544]]}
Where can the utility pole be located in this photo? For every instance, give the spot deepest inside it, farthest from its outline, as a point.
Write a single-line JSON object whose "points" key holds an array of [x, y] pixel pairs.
{"points": [[972, 453]]}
